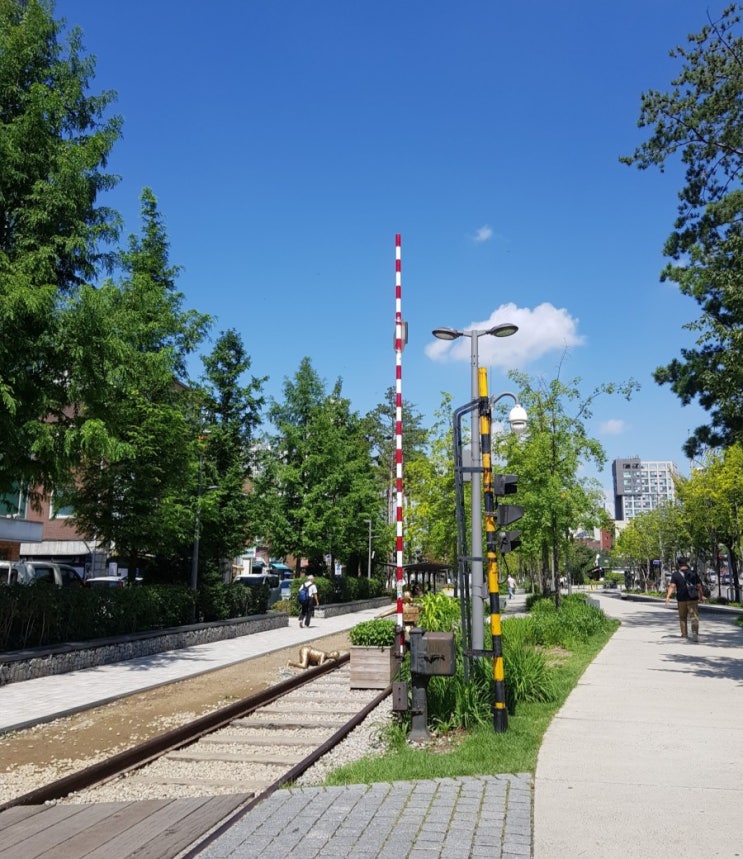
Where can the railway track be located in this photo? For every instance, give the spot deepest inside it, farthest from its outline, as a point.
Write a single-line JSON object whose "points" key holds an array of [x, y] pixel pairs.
{"points": [[239, 754], [279, 732]]}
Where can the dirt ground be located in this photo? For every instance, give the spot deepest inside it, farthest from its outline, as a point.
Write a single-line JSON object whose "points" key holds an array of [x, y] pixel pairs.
{"points": [[97, 733]]}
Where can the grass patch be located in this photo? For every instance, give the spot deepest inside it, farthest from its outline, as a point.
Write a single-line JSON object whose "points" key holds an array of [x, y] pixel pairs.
{"points": [[481, 751]]}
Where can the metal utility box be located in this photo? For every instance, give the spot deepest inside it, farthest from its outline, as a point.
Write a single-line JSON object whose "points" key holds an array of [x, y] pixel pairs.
{"points": [[400, 697], [433, 654]]}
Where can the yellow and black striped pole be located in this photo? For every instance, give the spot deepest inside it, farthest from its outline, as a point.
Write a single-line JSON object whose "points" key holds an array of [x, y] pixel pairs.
{"points": [[500, 712]]}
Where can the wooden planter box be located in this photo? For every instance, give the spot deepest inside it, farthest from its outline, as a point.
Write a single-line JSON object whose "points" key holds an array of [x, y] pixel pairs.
{"points": [[372, 667]]}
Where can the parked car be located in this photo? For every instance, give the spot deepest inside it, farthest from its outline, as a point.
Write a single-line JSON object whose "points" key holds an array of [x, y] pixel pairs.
{"points": [[258, 579], [8, 573], [34, 572], [110, 581]]}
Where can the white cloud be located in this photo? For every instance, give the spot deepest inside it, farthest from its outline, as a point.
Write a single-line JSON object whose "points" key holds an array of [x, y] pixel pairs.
{"points": [[542, 329], [613, 427], [483, 233]]}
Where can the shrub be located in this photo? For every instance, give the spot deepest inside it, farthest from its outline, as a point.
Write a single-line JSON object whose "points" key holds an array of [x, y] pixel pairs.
{"points": [[439, 612], [373, 633], [527, 676], [533, 599], [575, 622]]}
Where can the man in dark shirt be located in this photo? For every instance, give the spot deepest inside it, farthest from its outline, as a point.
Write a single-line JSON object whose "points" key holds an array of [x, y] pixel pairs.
{"points": [[689, 593]]}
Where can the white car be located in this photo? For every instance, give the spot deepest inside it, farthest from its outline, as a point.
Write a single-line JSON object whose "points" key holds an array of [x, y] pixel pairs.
{"points": [[110, 581], [33, 572]]}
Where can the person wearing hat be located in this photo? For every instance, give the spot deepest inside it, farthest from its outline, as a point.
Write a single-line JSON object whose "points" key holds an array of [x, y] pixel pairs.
{"points": [[309, 607], [689, 592]]}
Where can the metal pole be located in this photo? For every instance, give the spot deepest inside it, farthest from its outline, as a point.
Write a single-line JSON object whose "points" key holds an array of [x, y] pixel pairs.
{"points": [[500, 712], [399, 539], [478, 618], [196, 535], [368, 556]]}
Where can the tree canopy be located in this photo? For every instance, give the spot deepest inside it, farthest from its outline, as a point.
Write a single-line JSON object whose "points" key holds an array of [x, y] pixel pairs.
{"points": [[700, 121], [129, 438], [316, 481], [55, 141]]}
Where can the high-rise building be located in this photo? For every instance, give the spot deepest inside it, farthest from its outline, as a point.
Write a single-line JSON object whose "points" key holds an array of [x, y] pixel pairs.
{"points": [[641, 486]]}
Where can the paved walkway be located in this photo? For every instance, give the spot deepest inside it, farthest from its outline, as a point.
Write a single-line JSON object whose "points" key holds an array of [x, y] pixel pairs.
{"points": [[644, 758], [653, 729]]}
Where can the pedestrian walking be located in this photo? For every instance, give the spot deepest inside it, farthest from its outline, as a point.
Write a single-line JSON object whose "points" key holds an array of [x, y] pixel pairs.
{"points": [[686, 585], [308, 599], [511, 587]]}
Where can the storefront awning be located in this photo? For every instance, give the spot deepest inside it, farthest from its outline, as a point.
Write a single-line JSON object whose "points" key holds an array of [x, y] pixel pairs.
{"points": [[58, 548], [17, 530]]}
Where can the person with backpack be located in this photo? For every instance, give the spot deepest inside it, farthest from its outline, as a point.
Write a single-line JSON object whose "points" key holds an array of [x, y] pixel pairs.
{"points": [[307, 600], [686, 585]]}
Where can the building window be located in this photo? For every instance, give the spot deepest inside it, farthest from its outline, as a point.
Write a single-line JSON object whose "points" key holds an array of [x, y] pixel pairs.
{"points": [[60, 512], [13, 504]]}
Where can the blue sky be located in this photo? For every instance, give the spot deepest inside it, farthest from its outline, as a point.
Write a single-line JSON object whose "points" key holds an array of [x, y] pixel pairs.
{"points": [[288, 142]]}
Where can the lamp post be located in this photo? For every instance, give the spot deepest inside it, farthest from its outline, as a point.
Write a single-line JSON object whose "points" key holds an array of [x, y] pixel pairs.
{"points": [[505, 329], [197, 530], [369, 551], [197, 516]]}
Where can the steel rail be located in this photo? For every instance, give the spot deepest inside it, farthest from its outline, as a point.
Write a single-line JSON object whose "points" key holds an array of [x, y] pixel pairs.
{"points": [[176, 738], [288, 777]]}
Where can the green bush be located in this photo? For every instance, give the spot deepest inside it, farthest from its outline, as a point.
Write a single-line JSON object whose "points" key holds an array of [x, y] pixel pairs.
{"points": [[575, 621], [527, 676], [454, 703], [533, 599], [41, 615], [439, 612], [373, 633]]}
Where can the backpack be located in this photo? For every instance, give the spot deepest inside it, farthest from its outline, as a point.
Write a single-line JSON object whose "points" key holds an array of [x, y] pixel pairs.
{"points": [[304, 595], [691, 587]]}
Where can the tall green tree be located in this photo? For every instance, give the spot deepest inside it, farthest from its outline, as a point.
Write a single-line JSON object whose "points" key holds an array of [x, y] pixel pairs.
{"points": [[430, 517], [381, 430], [316, 481], [55, 141], [230, 408], [130, 430], [652, 541], [712, 505], [548, 461], [700, 121]]}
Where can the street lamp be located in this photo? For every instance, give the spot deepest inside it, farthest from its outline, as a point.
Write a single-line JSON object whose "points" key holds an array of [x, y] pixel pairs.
{"points": [[505, 329], [369, 551], [197, 516]]}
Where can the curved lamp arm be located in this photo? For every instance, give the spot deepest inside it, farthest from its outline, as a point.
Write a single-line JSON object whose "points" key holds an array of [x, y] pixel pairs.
{"points": [[517, 417]]}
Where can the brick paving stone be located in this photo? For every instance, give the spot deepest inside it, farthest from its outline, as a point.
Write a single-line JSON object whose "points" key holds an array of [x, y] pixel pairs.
{"points": [[488, 816]]}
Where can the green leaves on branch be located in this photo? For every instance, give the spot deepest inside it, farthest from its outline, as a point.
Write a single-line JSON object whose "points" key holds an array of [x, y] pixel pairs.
{"points": [[700, 121]]}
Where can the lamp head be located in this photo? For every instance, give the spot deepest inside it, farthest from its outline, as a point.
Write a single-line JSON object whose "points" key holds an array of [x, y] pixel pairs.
{"points": [[505, 329], [446, 333]]}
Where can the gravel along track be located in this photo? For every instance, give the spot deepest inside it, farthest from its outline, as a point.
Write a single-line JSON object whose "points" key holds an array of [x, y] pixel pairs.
{"points": [[34, 757], [253, 752]]}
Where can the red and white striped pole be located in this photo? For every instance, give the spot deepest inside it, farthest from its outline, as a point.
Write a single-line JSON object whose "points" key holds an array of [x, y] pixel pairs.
{"points": [[399, 343]]}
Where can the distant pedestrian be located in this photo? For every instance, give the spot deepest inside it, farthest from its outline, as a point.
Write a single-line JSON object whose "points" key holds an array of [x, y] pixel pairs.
{"points": [[686, 585], [511, 587], [308, 605]]}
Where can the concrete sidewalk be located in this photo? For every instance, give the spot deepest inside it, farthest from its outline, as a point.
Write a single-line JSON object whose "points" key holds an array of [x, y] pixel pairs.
{"points": [[644, 758]]}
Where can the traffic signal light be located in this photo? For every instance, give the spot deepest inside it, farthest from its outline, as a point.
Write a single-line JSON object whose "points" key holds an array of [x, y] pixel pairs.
{"points": [[507, 514], [504, 484], [509, 540]]}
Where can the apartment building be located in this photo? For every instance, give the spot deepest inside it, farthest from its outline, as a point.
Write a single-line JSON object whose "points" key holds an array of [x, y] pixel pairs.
{"points": [[641, 486]]}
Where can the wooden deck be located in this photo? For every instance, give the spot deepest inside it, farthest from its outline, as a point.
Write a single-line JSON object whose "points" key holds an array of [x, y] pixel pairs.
{"points": [[151, 829]]}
